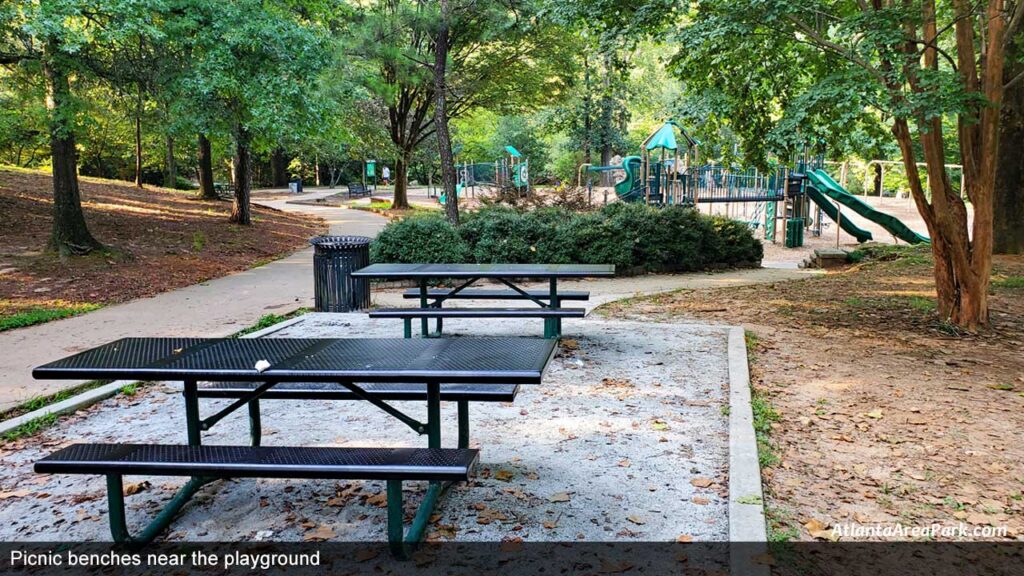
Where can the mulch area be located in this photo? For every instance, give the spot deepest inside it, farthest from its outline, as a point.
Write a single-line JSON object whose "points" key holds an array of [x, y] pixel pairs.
{"points": [[157, 240], [887, 415]]}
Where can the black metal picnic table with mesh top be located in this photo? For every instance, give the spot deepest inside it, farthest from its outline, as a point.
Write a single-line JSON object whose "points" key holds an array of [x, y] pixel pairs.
{"points": [[357, 364], [548, 301]]}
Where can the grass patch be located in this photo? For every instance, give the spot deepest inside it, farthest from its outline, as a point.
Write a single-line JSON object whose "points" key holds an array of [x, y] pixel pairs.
{"points": [[922, 304], [198, 241], [40, 314], [1011, 282], [31, 427], [43, 401], [268, 320], [764, 416]]}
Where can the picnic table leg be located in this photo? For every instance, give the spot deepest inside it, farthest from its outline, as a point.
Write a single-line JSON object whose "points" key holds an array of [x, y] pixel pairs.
{"points": [[255, 425], [192, 425], [463, 423], [115, 485], [424, 322], [553, 326], [401, 545]]}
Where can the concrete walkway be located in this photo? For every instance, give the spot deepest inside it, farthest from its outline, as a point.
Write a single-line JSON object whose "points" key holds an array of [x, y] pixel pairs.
{"points": [[216, 308], [223, 306]]}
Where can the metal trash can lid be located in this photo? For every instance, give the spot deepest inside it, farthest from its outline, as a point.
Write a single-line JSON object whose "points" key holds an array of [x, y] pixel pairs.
{"points": [[340, 242]]}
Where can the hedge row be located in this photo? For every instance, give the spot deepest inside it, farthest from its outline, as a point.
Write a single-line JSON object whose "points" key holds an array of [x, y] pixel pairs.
{"points": [[633, 237]]}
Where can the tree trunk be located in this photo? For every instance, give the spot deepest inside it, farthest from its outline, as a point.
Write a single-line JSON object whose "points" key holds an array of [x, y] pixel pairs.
{"points": [[279, 168], [1008, 218], [70, 234], [138, 140], [242, 169], [444, 141], [878, 180], [401, 181], [170, 166], [205, 161]]}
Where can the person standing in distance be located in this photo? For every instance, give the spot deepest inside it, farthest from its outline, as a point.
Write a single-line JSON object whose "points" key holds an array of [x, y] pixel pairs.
{"points": [[385, 176]]}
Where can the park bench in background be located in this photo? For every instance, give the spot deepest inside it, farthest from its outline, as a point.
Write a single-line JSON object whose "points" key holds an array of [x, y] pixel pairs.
{"points": [[224, 190], [357, 190]]}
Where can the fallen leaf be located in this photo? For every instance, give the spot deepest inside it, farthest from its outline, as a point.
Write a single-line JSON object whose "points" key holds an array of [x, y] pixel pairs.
{"points": [[700, 482], [503, 475], [636, 520], [136, 487], [625, 463], [321, 533], [550, 524], [378, 500], [559, 497], [700, 501], [876, 414], [659, 425], [682, 538], [13, 494], [514, 544]]}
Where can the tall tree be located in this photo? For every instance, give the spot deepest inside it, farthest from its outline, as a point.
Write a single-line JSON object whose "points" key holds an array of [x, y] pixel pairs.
{"points": [[444, 140], [500, 56], [252, 73], [66, 43], [917, 65], [1008, 211]]}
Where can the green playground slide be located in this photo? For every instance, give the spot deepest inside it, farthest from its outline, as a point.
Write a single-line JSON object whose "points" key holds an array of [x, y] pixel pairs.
{"points": [[823, 182], [627, 189], [828, 208]]}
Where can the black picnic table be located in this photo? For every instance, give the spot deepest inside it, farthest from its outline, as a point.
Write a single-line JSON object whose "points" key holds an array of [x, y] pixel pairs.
{"points": [[348, 362], [507, 274]]}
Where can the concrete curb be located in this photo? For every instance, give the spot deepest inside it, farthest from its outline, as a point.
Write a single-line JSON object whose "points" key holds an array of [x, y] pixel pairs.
{"points": [[90, 397], [746, 500]]}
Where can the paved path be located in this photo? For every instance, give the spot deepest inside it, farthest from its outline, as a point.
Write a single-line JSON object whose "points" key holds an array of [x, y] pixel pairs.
{"points": [[223, 306], [215, 308]]}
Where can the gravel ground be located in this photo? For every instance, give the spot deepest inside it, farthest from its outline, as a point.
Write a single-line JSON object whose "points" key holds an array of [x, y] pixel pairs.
{"points": [[627, 439]]}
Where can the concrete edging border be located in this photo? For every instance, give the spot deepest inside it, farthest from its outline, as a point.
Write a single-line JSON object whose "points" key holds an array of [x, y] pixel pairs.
{"points": [[746, 499], [90, 397]]}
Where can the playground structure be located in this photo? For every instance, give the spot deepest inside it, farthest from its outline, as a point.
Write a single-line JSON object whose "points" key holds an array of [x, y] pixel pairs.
{"points": [[666, 174], [510, 172]]}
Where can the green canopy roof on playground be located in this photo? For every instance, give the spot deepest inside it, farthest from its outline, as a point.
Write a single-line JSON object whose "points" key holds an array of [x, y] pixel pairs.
{"points": [[665, 137]]}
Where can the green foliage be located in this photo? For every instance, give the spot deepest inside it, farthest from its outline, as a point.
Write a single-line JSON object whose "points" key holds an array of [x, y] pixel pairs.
{"points": [[1010, 282], [268, 320], [427, 238], [39, 315], [629, 236]]}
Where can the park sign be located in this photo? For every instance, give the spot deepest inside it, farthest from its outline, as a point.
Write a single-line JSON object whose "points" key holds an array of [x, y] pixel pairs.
{"points": [[371, 168]]}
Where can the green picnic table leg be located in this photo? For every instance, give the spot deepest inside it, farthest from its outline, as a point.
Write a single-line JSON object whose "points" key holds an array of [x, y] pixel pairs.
{"points": [[424, 322], [553, 326], [115, 486], [402, 545]]}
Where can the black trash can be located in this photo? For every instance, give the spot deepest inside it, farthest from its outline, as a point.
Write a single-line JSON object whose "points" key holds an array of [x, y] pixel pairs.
{"points": [[334, 260]]}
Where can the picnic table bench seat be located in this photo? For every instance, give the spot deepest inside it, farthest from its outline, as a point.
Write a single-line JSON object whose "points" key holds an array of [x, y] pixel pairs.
{"points": [[204, 464], [461, 394], [474, 294], [409, 314], [333, 391], [435, 312], [447, 464]]}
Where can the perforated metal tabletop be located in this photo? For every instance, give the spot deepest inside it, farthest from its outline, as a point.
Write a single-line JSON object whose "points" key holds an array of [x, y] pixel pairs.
{"points": [[409, 271], [451, 360]]}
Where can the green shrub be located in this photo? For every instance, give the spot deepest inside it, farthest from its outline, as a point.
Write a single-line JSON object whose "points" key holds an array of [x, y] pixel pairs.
{"points": [[425, 238], [629, 236]]}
